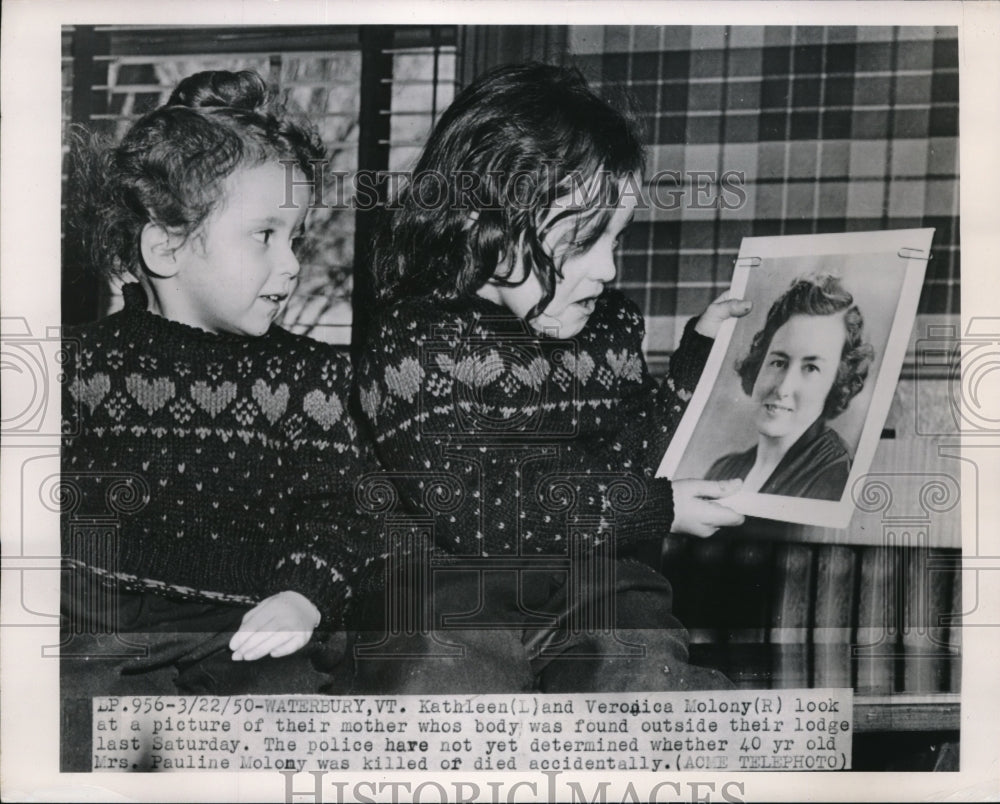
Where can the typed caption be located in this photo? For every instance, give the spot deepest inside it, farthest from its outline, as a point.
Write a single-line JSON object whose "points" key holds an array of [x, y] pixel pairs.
{"points": [[772, 730]]}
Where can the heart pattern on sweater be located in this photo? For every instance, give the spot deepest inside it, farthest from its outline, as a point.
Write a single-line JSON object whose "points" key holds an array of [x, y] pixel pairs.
{"points": [[581, 367], [532, 375], [477, 370], [404, 381], [625, 364], [272, 403], [324, 410], [213, 400], [91, 392], [150, 394], [370, 401]]}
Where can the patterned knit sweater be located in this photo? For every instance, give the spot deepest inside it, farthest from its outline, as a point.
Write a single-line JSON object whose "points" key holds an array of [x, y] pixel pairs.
{"points": [[512, 441], [229, 461]]}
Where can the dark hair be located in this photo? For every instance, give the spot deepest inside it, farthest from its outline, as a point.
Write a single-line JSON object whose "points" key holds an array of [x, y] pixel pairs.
{"points": [[817, 295], [511, 144], [170, 166]]}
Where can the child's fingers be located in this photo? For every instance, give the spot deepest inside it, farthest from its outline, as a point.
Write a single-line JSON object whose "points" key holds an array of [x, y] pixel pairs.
{"points": [[258, 643], [277, 626], [252, 622], [247, 642], [718, 311], [695, 509], [716, 489], [712, 516], [240, 638], [722, 309], [719, 516], [699, 525], [268, 610], [259, 620], [734, 308], [700, 530], [274, 643]]}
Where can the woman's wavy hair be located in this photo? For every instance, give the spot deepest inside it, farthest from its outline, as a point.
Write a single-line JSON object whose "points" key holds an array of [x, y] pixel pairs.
{"points": [[170, 167], [511, 144], [816, 295]]}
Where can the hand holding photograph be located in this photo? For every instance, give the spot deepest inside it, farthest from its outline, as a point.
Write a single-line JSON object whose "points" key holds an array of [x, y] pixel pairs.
{"points": [[795, 395]]}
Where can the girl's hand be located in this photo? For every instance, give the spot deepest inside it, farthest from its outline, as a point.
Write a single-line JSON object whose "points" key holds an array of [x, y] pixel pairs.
{"points": [[718, 311], [276, 627], [695, 511]]}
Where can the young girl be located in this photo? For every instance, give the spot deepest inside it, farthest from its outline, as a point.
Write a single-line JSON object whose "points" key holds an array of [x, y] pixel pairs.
{"points": [[219, 442], [502, 360]]}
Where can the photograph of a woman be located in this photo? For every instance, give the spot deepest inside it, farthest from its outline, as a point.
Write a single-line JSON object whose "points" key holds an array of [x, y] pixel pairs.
{"points": [[795, 395], [803, 369]]}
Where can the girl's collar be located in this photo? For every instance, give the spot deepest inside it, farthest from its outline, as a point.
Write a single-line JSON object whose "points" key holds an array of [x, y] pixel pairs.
{"points": [[489, 307], [495, 311], [138, 317]]}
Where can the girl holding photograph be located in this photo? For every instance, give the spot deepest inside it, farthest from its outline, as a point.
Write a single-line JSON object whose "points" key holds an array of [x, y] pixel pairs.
{"points": [[502, 358]]}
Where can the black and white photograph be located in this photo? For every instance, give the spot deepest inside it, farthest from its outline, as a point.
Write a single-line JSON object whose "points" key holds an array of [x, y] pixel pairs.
{"points": [[478, 401], [807, 375]]}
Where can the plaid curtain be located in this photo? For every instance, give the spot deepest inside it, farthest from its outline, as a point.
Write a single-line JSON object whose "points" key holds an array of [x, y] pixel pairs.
{"points": [[779, 130]]}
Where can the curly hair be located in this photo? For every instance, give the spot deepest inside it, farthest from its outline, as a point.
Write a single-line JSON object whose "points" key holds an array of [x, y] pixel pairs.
{"points": [[514, 142], [816, 295], [170, 167]]}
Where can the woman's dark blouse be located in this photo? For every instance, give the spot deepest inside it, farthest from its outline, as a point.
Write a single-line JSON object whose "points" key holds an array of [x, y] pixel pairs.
{"points": [[816, 466]]}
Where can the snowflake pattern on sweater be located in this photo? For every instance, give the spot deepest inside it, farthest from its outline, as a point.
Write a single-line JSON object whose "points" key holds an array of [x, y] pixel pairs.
{"points": [[236, 456], [542, 436]]}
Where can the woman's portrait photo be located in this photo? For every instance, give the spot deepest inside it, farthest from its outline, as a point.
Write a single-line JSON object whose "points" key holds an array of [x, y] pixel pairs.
{"points": [[803, 369], [793, 402]]}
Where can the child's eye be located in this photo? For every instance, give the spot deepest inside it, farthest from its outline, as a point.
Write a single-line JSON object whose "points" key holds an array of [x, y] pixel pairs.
{"points": [[263, 236]]}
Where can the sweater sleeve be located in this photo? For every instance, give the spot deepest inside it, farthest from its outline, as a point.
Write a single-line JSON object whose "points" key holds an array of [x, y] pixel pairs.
{"points": [[651, 410], [484, 434], [673, 392], [688, 361], [330, 547]]}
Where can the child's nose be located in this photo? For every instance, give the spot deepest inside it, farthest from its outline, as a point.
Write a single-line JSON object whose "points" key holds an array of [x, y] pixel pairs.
{"points": [[603, 270], [289, 264]]}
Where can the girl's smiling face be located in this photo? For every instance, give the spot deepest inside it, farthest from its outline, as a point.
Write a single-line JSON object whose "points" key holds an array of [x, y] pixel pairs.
{"points": [[584, 272], [236, 274]]}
